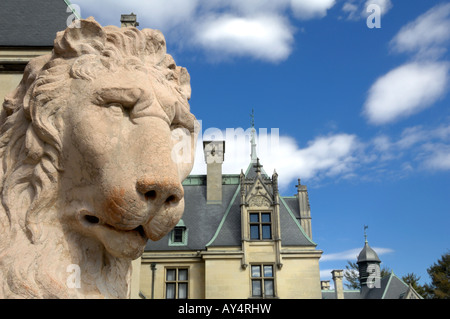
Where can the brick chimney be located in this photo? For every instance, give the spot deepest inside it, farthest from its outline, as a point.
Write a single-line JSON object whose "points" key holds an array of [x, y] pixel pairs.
{"points": [[214, 156], [338, 276]]}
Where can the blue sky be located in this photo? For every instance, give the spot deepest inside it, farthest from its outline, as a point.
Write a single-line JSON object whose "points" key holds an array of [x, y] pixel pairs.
{"points": [[360, 114]]}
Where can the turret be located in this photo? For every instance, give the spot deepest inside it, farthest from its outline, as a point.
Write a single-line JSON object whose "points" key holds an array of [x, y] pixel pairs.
{"points": [[369, 267]]}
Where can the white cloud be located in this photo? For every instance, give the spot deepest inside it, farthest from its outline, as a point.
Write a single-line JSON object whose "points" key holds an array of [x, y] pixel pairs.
{"points": [[264, 37], [309, 9], [330, 156], [259, 29], [427, 35], [426, 149], [437, 157], [325, 156], [351, 10], [406, 90], [385, 6], [352, 254], [382, 143], [414, 86], [336, 156], [165, 14], [412, 136]]}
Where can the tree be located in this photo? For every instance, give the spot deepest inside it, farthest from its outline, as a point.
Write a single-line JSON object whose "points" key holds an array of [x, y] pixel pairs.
{"points": [[413, 280], [351, 275], [439, 288]]}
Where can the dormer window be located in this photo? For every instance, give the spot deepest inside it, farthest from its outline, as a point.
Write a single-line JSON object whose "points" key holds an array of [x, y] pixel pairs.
{"points": [[260, 225], [178, 236]]}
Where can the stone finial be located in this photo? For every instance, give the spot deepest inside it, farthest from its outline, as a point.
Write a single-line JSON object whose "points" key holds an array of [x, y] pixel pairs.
{"points": [[257, 166]]}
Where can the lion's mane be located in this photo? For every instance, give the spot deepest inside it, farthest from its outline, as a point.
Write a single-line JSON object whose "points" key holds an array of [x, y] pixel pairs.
{"points": [[35, 249]]}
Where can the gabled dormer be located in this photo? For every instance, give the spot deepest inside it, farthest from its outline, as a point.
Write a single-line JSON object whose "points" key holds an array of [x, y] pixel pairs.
{"points": [[260, 216], [261, 228], [259, 201]]}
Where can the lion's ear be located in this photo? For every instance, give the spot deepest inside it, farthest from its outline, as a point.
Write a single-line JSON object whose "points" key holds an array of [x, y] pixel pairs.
{"points": [[84, 37]]}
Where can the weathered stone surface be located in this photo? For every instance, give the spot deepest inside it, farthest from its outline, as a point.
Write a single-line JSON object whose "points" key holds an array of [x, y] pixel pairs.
{"points": [[94, 144]]}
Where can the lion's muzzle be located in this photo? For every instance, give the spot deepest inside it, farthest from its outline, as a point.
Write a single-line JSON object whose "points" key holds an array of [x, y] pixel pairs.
{"points": [[149, 212]]}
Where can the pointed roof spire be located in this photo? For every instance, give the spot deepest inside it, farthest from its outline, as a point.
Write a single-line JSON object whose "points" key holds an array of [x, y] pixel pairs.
{"points": [[367, 254], [253, 155], [365, 234]]}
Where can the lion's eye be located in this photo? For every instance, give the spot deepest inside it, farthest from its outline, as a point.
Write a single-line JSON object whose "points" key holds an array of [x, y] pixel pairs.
{"points": [[115, 109]]}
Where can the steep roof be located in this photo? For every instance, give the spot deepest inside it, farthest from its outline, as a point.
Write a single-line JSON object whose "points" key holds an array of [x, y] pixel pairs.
{"points": [[32, 23], [292, 233], [392, 287]]}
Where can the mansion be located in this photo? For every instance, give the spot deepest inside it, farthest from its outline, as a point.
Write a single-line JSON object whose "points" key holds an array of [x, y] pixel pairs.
{"points": [[238, 238]]}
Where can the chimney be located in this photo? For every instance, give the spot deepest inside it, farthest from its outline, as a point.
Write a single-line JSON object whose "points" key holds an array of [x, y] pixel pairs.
{"points": [[305, 210], [214, 156], [128, 20], [325, 285], [338, 276]]}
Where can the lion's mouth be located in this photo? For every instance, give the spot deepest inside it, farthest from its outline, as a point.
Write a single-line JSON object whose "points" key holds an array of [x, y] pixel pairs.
{"points": [[94, 220], [120, 242]]}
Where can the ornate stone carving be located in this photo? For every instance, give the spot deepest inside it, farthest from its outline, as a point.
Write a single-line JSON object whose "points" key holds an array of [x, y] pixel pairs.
{"points": [[91, 162], [259, 201]]}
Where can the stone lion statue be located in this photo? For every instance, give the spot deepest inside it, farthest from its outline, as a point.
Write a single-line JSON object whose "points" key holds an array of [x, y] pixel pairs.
{"points": [[91, 163]]}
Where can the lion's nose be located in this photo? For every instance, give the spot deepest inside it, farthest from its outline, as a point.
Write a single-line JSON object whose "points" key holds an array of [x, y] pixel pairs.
{"points": [[160, 193]]}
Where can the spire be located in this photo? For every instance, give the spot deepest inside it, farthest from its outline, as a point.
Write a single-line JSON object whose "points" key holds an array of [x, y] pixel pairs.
{"points": [[365, 234], [253, 155]]}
